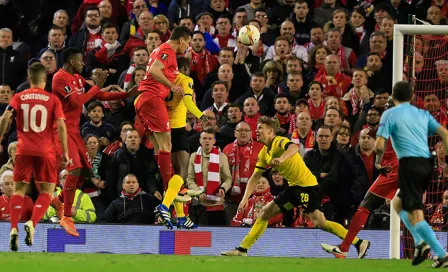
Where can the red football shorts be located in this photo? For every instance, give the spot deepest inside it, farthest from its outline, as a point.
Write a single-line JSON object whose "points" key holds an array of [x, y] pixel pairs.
{"points": [[77, 152], [385, 186], [151, 114], [43, 169]]}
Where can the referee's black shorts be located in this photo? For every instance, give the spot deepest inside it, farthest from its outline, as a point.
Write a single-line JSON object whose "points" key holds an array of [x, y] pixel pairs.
{"points": [[179, 140], [414, 177]]}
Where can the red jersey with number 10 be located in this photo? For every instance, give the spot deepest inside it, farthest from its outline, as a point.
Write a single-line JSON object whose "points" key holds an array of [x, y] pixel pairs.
{"points": [[37, 110], [167, 56]]}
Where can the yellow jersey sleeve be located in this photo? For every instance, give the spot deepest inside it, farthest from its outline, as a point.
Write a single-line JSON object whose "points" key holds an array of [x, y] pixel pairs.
{"points": [[261, 162]]}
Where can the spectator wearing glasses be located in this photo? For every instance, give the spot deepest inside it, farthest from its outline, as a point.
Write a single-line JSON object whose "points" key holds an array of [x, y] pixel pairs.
{"points": [[162, 24], [130, 28], [146, 25], [48, 60], [125, 127], [56, 44]]}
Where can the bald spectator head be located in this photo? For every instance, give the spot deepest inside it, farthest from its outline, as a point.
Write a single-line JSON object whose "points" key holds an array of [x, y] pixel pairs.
{"points": [[225, 73], [366, 141], [287, 30], [211, 122], [132, 141], [130, 184], [251, 107], [243, 133], [146, 21], [304, 122], [105, 9], [332, 65]]}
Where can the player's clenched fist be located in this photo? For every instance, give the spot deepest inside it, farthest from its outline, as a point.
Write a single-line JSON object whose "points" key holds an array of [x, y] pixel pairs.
{"points": [[276, 161]]}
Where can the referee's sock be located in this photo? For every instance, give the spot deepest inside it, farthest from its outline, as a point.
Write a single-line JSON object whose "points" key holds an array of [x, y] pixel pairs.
{"points": [[255, 232], [428, 235], [404, 216]]}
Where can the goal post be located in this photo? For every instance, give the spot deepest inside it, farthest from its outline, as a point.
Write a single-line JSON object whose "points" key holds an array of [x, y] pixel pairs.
{"points": [[397, 75]]}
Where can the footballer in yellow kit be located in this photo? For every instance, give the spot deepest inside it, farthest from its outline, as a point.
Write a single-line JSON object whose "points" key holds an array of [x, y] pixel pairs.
{"points": [[283, 155]]}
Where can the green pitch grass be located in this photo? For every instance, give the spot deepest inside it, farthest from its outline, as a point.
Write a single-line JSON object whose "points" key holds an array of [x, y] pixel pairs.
{"points": [[36, 262]]}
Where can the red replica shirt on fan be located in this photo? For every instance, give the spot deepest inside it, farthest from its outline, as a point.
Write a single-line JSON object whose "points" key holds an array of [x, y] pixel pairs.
{"points": [[27, 209], [37, 110], [167, 56]]}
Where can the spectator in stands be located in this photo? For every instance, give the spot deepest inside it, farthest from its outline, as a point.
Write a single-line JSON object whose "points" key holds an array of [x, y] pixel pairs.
{"points": [[373, 69], [434, 16], [56, 44], [220, 93], [89, 37], [137, 76], [110, 56], [161, 23], [341, 22], [251, 114], [62, 20], [325, 162], [303, 135], [357, 20], [234, 116], [266, 30], [273, 71], [335, 83], [48, 60], [358, 96], [302, 22], [316, 101], [316, 62], [224, 38], [125, 127], [242, 155], [13, 68], [401, 9], [333, 119], [361, 165], [83, 210], [225, 57], [282, 115], [105, 8], [130, 28], [380, 218], [118, 111], [225, 75], [371, 119], [347, 55], [146, 25], [292, 64], [188, 23], [442, 73], [5, 97], [343, 140], [431, 103], [259, 49], [381, 98], [324, 13], [7, 189], [97, 126], [12, 158], [133, 158], [294, 83], [257, 201], [204, 23], [221, 139], [251, 8], [134, 206], [209, 171], [239, 19], [287, 31], [139, 59], [181, 9], [317, 37], [218, 8], [245, 58], [263, 95]]}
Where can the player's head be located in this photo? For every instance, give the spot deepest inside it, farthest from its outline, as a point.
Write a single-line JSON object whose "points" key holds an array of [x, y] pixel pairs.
{"points": [[130, 184], [6, 183], [72, 57], [37, 75], [266, 129], [402, 92], [183, 65], [182, 35]]}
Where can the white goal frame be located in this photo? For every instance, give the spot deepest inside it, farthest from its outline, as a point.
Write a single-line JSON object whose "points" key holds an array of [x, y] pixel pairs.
{"points": [[397, 75]]}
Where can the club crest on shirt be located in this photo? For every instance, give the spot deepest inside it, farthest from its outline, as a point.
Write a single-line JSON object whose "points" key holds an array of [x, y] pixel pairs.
{"points": [[164, 56], [68, 89]]}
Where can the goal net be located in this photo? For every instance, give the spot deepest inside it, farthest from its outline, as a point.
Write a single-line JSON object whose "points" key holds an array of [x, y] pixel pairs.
{"points": [[423, 52]]}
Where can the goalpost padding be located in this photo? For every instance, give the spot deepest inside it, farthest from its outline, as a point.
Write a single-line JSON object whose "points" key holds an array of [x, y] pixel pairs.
{"points": [[398, 65]]}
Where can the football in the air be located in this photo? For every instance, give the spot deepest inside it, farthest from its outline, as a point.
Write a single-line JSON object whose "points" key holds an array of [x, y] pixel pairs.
{"points": [[249, 35]]}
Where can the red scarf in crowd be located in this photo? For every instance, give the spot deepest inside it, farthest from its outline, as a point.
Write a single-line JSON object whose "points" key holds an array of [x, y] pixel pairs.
{"points": [[252, 121], [354, 101], [316, 112], [131, 196], [202, 63], [102, 56], [213, 178], [333, 90], [223, 41], [235, 158], [341, 55], [360, 32], [283, 119], [309, 142]]}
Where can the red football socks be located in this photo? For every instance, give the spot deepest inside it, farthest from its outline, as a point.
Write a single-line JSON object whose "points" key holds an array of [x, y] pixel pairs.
{"points": [[40, 207], [69, 194], [15, 209], [357, 223], [165, 167]]}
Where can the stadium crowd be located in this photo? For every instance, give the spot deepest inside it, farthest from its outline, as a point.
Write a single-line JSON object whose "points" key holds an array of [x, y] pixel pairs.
{"points": [[322, 70]]}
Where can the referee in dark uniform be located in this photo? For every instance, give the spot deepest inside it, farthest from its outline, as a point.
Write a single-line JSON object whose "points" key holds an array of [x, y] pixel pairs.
{"points": [[409, 128]]}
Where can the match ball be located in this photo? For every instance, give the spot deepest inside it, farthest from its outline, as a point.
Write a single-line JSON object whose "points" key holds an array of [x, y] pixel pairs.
{"points": [[249, 35]]}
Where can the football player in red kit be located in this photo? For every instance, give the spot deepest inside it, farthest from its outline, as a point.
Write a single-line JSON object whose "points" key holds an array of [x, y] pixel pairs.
{"points": [[152, 116], [68, 86], [36, 111], [384, 187]]}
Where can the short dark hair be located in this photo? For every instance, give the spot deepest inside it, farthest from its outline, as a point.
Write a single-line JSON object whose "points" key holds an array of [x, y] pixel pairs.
{"points": [[95, 104], [55, 27], [360, 11], [198, 32], [233, 105], [209, 131], [261, 10], [90, 9], [402, 91], [373, 54], [258, 74], [294, 73], [124, 123], [333, 108], [109, 25], [182, 62], [220, 82], [375, 108], [281, 95], [240, 10], [36, 73], [138, 48], [317, 83], [255, 21], [268, 121], [301, 2], [180, 32], [326, 127], [186, 18], [69, 53]]}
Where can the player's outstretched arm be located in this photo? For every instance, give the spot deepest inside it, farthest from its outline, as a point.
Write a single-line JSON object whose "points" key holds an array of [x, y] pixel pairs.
{"points": [[6, 117], [191, 106], [62, 132], [250, 188]]}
